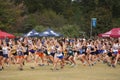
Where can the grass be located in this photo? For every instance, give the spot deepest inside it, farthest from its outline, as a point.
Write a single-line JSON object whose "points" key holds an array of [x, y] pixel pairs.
{"points": [[98, 72]]}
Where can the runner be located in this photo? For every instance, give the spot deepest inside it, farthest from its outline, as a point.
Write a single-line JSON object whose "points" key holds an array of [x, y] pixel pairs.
{"points": [[1, 58], [20, 55], [5, 49], [70, 54], [58, 56]]}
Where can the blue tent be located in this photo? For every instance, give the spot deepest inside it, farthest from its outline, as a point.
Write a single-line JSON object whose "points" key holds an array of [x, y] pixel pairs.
{"points": [[32, 33], [49, 33]]}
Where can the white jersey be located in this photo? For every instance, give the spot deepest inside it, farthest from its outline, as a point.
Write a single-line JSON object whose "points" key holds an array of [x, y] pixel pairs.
{"points": [[89, 46], [52, 48], [115, 47], [78, 44], [5, 50], [19, 48], [59, 53]]}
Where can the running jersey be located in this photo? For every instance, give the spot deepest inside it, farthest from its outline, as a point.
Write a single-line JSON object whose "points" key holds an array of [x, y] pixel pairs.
{"points": [[92, 49], [84, 49], [52, 49], [89, 46], [77, 45], [59, 52], [70, 51], [115, 47], [26, 48], [20, 51], [99, 46], [5, 50]]}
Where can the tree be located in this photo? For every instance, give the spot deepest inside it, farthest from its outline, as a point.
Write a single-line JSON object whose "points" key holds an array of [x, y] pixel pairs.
{"points": [[10, 15]]}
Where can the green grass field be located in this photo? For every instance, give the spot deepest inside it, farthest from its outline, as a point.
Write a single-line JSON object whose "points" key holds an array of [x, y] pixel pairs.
{"points": [[98, 72]]}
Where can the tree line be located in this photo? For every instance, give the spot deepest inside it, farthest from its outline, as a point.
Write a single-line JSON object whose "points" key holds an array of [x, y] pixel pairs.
{"points": [[69, 17]]}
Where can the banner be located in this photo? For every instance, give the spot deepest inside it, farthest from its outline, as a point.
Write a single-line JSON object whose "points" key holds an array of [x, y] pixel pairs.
{"points": [[94, 22]]}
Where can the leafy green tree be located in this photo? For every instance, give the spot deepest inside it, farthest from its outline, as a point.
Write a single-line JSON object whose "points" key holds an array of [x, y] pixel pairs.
{"points": [[46, 18], [70, 30], [10, 15]]}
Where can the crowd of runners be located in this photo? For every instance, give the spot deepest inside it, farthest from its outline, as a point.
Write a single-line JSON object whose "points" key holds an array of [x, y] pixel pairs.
{"points": [[58, 52]]}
